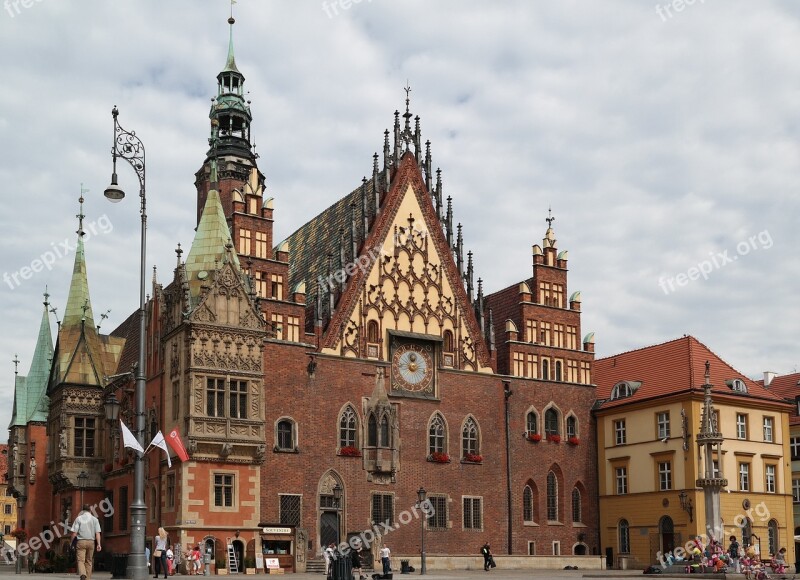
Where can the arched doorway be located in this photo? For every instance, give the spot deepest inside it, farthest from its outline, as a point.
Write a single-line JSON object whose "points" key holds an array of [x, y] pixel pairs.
{"points": [[666, 534], [238, 548], [579, 549], [330, 510]]}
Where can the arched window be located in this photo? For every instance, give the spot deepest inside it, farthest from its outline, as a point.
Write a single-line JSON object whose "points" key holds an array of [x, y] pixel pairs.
{"points": [[469, 438], [437, 441], [772, 534], [552, 497], [385, 431], [447, 346], [373, 333], [545, 369], [624, 537], [558, 370], [572, 426], [577, 512], [551, 426], [532, 422], [285, 435], [372, 431], [348, 428], [527, 504]]}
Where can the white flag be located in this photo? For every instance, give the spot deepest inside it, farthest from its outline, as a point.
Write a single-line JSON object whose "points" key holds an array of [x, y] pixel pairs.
{"points": [[159, 441], [128, 439]]}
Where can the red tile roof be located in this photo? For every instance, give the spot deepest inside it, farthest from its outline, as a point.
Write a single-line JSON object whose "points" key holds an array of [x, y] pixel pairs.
{"points": [[787, 387], [668, 368]]}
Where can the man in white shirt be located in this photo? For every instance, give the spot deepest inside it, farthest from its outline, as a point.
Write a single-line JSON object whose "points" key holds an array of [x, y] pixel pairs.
{"points": [[86, 529], [385, 555]]}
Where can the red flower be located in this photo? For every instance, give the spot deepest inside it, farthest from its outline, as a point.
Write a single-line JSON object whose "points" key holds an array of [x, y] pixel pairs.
{"points": [[554, 437], [20, 534], [573, 440], [473, 458], [350, 451], [438, 457], [535, 437]]}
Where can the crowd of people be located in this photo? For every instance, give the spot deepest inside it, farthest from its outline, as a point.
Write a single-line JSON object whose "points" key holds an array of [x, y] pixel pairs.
{"points": [[736, 559]]}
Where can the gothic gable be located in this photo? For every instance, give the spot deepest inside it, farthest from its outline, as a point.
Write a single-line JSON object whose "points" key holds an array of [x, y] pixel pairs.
{"points": [[406, 281]]}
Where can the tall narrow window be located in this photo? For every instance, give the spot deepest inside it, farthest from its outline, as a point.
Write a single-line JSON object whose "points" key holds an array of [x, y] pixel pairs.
{"points": [[382, 508], [769, 424], [238, 407], [545, 369], [624, 537], [577, 512], [551, 426], [620, 433], [372, 431], [170, 490], [559, 371], [662, 420], [285, 435], [176, 400], [552, 497], [215, 397], [473, 513], [277, 286], [532, 422], [223, 490], [572, 426], [796, 491], [244, 242], [436, 435], [373, 332], [769, 478], [665, 475], [293, 328], [348, 428], [261, 244], [527, 504], [621, 475], [741, 426], [437, 520], [84, 437], [277, 325], [744, 477], [385, 431], [469, 438], [448, 341]]}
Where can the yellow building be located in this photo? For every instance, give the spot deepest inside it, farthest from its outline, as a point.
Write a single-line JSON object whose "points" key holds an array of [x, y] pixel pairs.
{"points": [[648, 416], [8, 505]]}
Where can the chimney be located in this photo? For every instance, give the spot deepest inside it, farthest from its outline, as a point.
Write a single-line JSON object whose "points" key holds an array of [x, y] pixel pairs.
{"points": [[768, 377]]}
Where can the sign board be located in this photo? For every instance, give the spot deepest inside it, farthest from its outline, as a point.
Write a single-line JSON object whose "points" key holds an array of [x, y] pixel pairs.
{"points": [[272, 563], [276, 530], [260, 561]]}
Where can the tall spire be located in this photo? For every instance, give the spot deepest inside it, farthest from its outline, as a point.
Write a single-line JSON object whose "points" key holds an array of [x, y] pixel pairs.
{"points": [[230, 64], [79, 304], [30, 399]]}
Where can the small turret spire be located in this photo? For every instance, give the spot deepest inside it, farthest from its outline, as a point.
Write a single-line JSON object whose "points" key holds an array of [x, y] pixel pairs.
{"points": [[80, 215], [439, 193], [449, 222], [469, 276], [16, 364], [460, 251]]}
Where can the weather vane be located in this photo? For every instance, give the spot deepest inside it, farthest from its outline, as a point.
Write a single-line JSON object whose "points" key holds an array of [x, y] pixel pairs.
{"points": [[550, 219]]}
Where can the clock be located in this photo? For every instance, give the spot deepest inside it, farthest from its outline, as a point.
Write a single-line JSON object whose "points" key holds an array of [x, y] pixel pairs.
{"points": [[412, 367]]}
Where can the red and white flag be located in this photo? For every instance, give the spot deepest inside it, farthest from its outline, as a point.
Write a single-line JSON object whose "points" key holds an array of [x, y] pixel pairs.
{"points": [[174, 440]]}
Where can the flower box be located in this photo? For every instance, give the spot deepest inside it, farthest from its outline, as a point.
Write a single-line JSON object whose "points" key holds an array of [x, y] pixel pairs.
{"points": [[535, 437], [573, 441], [20, 534], [438, 457], [350, 451], [473, 458], [554, 438]]}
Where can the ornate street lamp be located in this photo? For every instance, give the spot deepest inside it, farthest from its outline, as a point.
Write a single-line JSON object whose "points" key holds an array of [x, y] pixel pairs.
{"points": [[422, 496], [83, 479], [130, 148]]}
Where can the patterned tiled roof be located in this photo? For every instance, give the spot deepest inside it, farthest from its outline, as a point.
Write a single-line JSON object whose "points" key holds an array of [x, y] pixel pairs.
{"points": [[310, 245], [669, 368], [30, 395]]}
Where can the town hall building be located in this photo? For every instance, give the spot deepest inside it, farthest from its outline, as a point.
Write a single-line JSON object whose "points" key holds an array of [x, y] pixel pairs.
{"points": [[321, 382]]}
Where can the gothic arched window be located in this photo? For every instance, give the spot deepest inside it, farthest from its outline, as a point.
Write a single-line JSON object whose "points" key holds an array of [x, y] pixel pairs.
{"points": [[384, 431], [469, 438], [372, 431], [437, 435], [348, 428]]}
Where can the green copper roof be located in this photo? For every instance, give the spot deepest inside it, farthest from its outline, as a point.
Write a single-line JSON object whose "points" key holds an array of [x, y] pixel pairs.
{"points": [[210, 245], [79, 300], [230, 64], [30, 399]]}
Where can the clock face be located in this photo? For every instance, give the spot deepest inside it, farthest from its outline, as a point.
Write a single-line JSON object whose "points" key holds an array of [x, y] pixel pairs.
{"points": [[412, 367]]}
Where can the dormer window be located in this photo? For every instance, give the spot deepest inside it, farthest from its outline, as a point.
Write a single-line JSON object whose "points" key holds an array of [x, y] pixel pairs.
{"points": [[624, 389], [737, 385]]}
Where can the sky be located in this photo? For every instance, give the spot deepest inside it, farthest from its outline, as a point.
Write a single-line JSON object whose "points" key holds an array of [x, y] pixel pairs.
{"points": [[664, 136]]}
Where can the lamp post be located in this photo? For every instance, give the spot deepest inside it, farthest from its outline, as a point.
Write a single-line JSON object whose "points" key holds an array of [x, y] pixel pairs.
{"points": [[337, 496], [422, 496], [130, 148], [83, 479], [686, 504]]}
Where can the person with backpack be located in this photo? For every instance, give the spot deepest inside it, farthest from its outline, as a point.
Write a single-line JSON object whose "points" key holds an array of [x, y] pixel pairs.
{"points": [[488, 560]]}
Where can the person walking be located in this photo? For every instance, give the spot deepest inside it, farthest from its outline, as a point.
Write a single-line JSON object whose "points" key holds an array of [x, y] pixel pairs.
{"points": [[86, 530], [488, 561], [170, 563], [733, 554], [329, 557], [386, 554], [160, 553], [355, 559]]}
